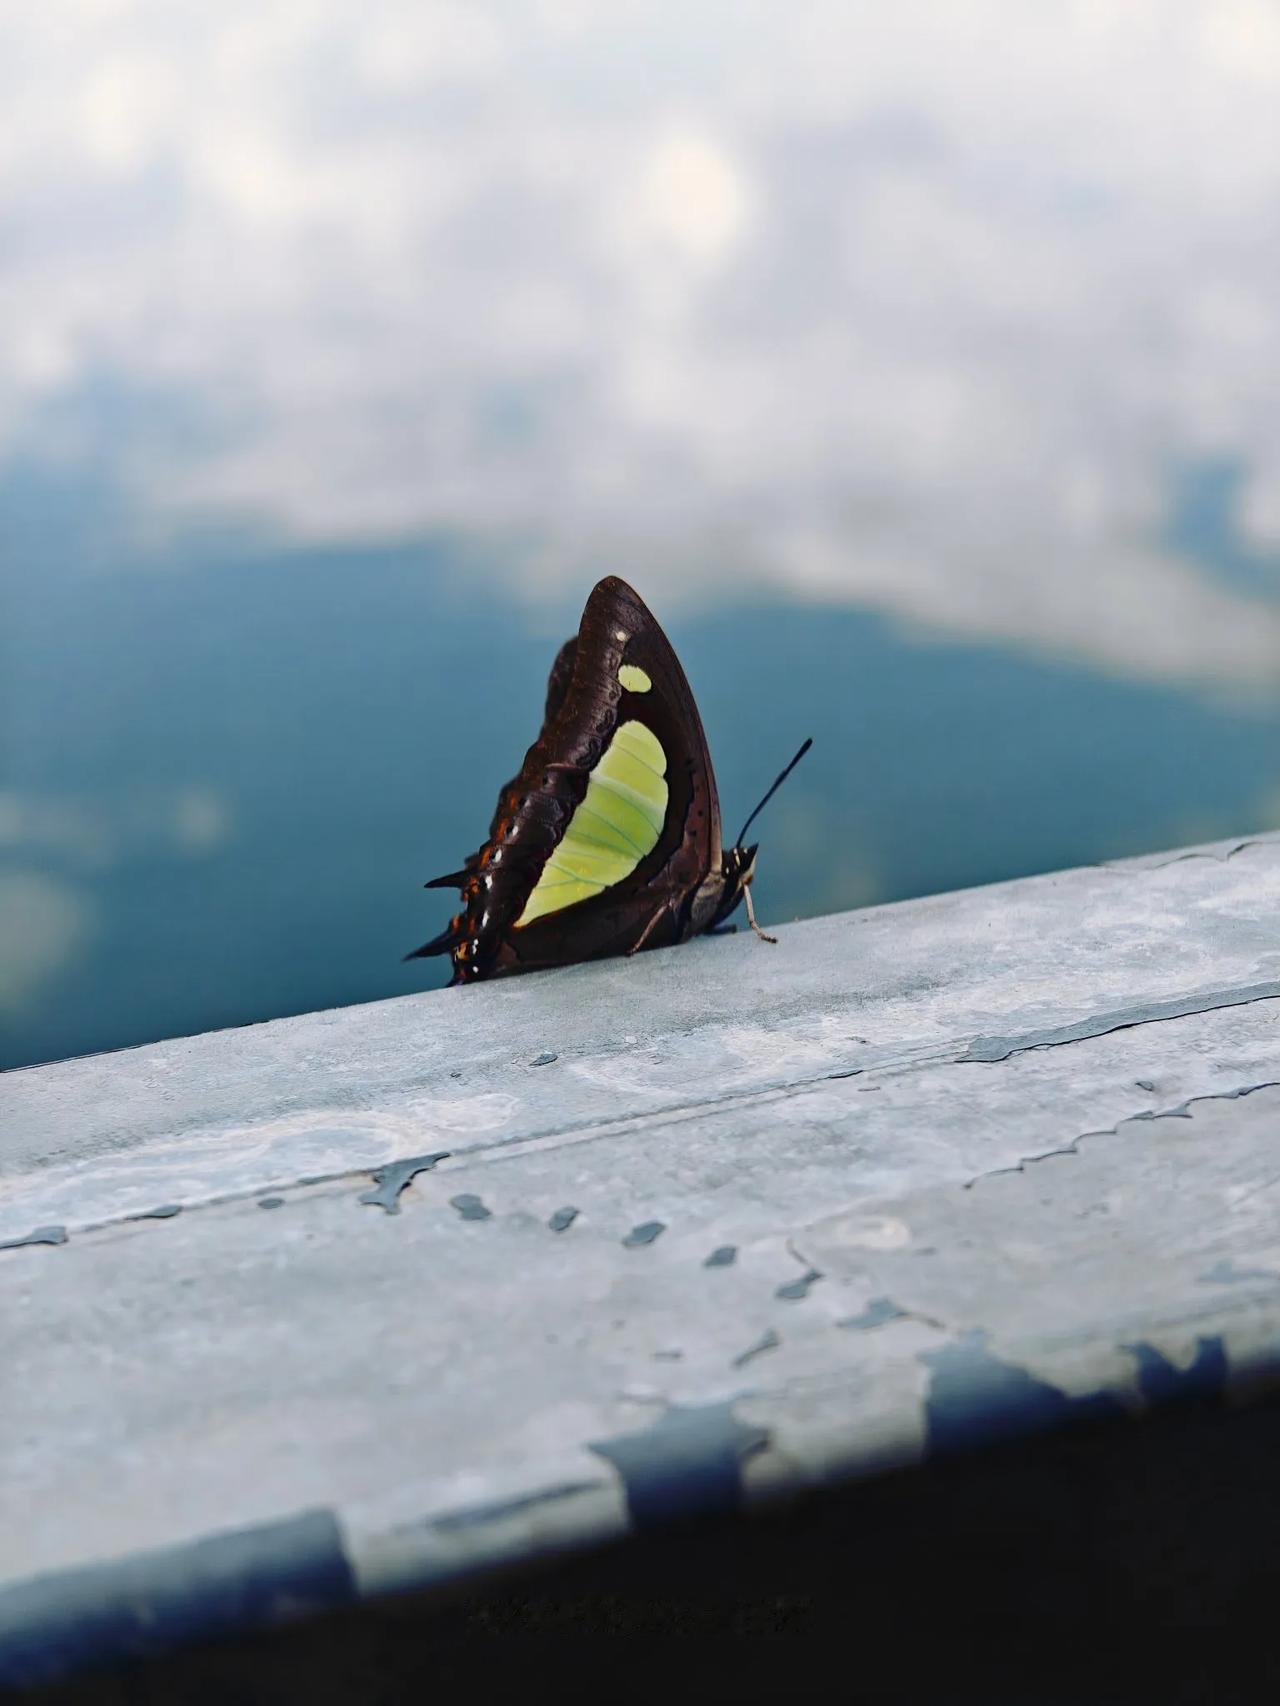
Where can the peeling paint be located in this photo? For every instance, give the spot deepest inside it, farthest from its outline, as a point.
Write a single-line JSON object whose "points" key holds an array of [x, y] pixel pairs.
{"points": [[41, 1235], [1160, 1381], [878, 1313], [975, 1398], [648, 1232], [989, 1050], [150, 1602], [396, 1176], [795, 1289], [470, 1206], [1220, 853], [688, 1464], [768, 1341], [758, 1142]]}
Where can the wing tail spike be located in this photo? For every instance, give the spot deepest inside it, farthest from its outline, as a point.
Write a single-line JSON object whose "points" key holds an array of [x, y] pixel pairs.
{"points": [[444, 943], [454, 880]]}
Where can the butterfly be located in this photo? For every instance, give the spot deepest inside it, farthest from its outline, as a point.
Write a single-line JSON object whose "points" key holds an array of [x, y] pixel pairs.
{"points": [[608, 840]]}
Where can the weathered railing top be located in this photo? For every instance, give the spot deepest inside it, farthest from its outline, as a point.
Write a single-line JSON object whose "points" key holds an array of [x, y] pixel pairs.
{"points": [[370, 1297]]}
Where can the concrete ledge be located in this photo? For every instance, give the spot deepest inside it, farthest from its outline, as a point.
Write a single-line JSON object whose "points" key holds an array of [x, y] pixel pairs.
{"points": [[474, 1277]]}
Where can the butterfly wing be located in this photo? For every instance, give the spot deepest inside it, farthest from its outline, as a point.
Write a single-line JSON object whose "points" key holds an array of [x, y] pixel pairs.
{"points": [[557, 687], [609, 836]]}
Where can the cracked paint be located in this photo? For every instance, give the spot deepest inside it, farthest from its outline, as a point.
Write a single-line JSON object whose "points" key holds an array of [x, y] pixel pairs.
{"points": [[1219, 854], [326, 1134], [990, 1050], [1182, 1111], [503, 1510], [1052, 1287]]}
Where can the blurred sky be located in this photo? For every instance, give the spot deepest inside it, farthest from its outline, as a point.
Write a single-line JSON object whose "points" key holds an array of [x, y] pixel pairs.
{"points": [[962, 317]]}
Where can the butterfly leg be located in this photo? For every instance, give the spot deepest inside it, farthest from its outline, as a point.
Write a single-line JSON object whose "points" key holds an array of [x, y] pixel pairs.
{"points": [[649, 928], [751, 917]]}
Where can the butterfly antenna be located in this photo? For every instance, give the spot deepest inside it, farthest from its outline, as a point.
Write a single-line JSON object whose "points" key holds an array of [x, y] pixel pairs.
{"points": [[777, 783]]}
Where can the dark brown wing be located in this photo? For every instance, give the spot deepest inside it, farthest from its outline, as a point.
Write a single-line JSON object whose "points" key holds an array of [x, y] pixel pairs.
{"points": [[586, 702], [557, 686]]}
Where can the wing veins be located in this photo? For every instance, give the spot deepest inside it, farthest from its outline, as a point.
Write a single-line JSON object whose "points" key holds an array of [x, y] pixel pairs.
{"points": [[585, 810]]}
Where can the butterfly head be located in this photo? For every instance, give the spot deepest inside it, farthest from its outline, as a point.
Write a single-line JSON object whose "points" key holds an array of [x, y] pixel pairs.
{"points": [[736, 871], [740, 865]]}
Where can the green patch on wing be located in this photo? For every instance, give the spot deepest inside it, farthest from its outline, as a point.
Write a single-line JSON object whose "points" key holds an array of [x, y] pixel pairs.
{"points": [[617, 824]]}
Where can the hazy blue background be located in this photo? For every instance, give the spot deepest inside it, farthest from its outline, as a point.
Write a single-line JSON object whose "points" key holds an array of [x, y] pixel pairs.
{"points": [[919, 369]]}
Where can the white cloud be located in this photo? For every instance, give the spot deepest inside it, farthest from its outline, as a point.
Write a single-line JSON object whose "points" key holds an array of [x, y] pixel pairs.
{"points": [[93, 832], [411, 49], [43, 923], [918, 306], [1260, 509], [692, 198], [201, 821], [129, 106], [1243, 37]]}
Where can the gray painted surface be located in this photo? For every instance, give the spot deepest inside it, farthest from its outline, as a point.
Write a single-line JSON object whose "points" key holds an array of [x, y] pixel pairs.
{"points": [[989, 1159]]}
